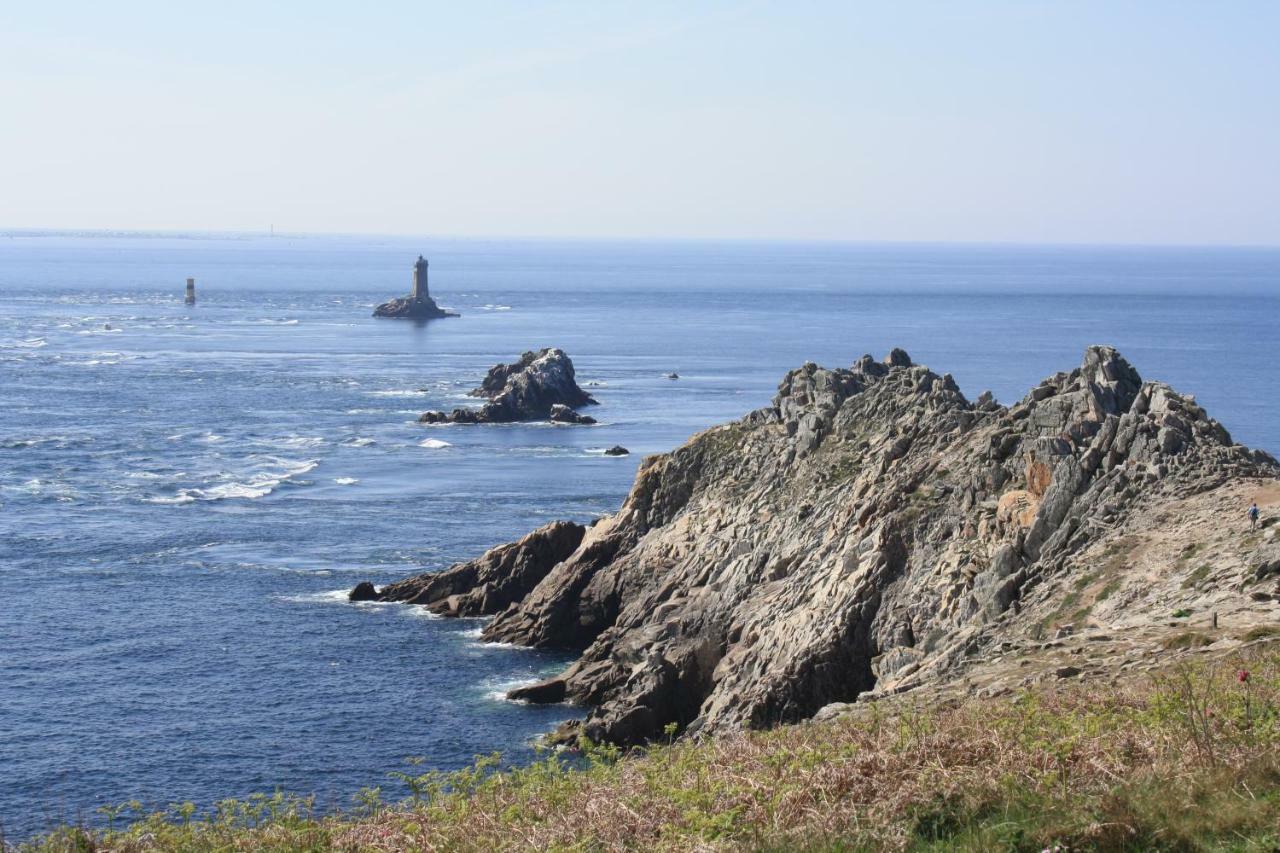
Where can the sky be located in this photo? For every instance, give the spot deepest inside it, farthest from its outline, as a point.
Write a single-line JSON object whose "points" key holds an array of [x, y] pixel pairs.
{"points": [[1022, 122]]}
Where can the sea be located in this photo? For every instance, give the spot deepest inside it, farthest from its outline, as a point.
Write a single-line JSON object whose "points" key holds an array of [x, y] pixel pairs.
{"points": [[187, 492]]}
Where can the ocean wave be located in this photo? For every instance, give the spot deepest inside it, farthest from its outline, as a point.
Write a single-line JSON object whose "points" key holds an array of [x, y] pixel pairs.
{"points": [[28, 343], [53, 441], [398, 392], [492, 307], [345, 481], [359, 442], [265, 321], [497, 690], [434, 443], [332, 596], [257, 486], [302, 441]]}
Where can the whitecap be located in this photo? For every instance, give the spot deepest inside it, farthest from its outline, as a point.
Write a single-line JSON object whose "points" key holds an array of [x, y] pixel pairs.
{"points": [[257, 486], [29, 343], [303, 441], [345, 481], [397, 392], [497, 689], [180, 498], [434, 443], [332, 596], [359, 442]]}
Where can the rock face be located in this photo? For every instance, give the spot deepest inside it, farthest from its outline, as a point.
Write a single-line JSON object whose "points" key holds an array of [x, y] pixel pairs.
{"points": [[409, 308], [489, 583], [873, 531], [540, 386]]}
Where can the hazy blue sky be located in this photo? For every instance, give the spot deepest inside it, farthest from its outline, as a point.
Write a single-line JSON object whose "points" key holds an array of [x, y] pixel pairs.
{"points": [[1021, 121]]}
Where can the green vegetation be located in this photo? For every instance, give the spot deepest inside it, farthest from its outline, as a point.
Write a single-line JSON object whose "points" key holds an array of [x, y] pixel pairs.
{"points": [[1186, 760], [1187, 640], [1197, 576]]}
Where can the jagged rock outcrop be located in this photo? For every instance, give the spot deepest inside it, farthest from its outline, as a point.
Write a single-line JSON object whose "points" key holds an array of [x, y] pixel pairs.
{"points": [[873, 531], [489, 583], [540, 386]]}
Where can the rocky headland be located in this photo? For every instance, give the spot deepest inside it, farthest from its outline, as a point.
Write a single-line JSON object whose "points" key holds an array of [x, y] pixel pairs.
{"points": [[874, 532], [539, 386]]}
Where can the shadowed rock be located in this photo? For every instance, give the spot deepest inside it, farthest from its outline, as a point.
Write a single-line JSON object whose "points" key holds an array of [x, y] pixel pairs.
{"points": [[487, 584]]}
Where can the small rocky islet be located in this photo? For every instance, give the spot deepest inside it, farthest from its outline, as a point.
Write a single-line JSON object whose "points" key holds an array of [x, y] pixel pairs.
{"points": [[873, 532], [418, 305], [538, 386]]}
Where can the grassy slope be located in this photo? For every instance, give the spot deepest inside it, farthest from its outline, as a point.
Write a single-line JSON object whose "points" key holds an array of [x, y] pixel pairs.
{"points": [[1187, 760]]}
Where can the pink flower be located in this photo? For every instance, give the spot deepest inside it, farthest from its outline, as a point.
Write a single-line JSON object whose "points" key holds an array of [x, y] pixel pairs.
{"points": [[1242, 676]]}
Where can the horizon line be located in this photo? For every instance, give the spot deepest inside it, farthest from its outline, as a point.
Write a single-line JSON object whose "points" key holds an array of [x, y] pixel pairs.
{"points": [[271, 233]]}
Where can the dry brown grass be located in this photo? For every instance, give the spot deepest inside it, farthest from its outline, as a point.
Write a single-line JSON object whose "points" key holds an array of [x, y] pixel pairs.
{"points": [[1185, 761]]}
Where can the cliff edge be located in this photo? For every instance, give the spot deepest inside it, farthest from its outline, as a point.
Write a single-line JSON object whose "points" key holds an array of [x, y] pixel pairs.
{"points": [[872, 532]]}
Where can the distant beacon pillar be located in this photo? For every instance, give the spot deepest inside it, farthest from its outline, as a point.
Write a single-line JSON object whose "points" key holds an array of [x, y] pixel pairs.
{"points": [[191, 291], [420, 280]]}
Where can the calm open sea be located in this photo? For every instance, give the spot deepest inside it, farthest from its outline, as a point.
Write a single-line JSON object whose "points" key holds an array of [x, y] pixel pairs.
{"points": [[186, 493]]}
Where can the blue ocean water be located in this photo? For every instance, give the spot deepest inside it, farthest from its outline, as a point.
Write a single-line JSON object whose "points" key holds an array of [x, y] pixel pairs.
{"points": [[187, 492]]}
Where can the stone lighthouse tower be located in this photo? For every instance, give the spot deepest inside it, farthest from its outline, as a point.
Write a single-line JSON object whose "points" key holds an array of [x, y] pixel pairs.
{"points": [[418, 305], [420, 292]]}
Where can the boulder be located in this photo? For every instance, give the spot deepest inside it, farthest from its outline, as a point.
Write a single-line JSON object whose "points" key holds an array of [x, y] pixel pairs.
{"points": [[617, 450], [364, 591], [562, 414]]}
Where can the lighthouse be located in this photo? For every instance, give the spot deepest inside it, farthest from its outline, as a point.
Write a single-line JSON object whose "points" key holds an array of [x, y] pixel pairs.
{"points": [[418, 305], [420, 292]]}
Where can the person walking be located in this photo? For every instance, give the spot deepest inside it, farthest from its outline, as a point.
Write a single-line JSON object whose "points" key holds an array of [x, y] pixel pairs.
{"points": [[1253, 516]]}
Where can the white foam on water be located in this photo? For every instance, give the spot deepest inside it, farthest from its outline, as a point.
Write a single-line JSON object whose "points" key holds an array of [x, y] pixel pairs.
{"points": [[302, 441], [345, 481], [173, 500], [497, 690], [332, 596], [397, 392], [256, 486], [434, 443], [359, 442]]}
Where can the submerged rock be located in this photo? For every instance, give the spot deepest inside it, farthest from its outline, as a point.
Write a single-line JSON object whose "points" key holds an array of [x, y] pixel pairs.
{"points": [[617, 450], [539, 386], [872, 532]]}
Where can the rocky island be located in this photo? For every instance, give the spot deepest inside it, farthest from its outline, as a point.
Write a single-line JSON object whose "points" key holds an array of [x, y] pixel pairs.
{"points": [[539, 386], [873, 532], [418, 305]]}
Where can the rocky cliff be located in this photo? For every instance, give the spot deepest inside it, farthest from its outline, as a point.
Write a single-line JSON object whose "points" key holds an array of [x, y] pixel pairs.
{"points": [[873, 531]]}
